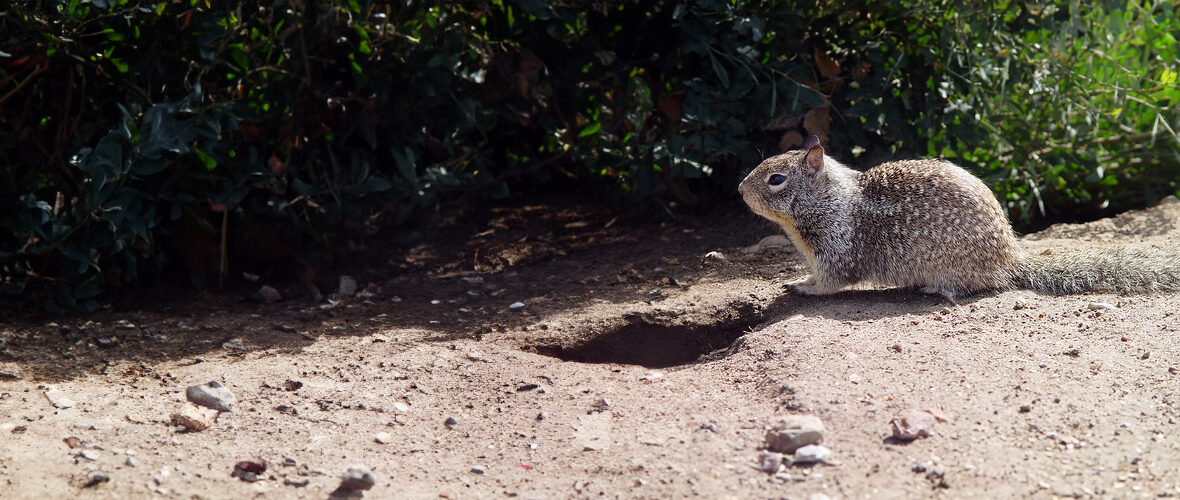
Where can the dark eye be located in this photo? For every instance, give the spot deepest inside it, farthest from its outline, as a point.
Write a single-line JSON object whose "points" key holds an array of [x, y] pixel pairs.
{"points": [[776, 179]]}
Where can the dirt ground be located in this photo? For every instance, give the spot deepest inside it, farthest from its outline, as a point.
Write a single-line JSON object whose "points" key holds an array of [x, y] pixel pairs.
{"points": [[584, 357]]}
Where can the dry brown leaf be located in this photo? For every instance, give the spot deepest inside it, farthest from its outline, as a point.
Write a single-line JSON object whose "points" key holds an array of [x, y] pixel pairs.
{"points": [[790, 140], [826, 65], [818, 121], [670, 105]]}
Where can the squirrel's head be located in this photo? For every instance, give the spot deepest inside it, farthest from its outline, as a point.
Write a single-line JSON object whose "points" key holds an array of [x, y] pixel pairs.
{"points": [[772, 188]]}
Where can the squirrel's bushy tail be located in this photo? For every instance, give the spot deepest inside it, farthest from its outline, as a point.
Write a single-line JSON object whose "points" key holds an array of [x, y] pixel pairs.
{"points": [[1099, 270]]}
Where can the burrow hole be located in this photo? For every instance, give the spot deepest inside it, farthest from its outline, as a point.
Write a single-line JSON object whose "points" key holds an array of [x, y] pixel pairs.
{"points": [[656, 345]]}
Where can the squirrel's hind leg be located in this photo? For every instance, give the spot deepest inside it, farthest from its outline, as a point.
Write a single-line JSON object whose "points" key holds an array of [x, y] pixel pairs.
{"points": [[946, 293], [813, 286]]}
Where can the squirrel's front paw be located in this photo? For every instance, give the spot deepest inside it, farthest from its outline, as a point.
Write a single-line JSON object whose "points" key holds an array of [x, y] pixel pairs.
{"points": [[803, 289], [809, 281]]}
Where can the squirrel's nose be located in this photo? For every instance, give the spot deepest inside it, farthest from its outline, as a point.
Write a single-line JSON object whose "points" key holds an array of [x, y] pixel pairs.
{"points": [[742, 189]]}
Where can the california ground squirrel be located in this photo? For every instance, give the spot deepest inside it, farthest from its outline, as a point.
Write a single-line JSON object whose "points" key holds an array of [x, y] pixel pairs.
{"points": [[925, 223]]}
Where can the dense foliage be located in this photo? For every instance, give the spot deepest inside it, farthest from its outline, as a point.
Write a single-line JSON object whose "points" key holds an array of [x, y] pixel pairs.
{"points": [[140, 138]]}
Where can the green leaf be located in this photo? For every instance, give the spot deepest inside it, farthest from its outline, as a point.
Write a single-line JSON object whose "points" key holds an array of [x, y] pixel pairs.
{"points": [[1168, 77], [237, 54], [207, 160], [590, 130]]}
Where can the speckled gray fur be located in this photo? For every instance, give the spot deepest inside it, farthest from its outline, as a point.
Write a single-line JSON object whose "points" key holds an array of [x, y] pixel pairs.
{"points": [[923, 223]]}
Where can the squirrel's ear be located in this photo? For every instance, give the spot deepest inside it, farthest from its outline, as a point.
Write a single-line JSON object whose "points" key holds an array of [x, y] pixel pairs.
{"points": [[815, 152]]}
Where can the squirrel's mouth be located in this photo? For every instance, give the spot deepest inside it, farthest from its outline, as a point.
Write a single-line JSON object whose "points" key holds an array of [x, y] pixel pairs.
{"points": [[756, 203]]}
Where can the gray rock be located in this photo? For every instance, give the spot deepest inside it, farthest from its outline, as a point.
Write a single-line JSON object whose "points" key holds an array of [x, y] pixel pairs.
{"points": [[58, 398], [770, 462], [347, 285], [477, 470], [383, 437], [358, 478], [194, 418], [269, 294], [915, 425], [774, 240], [811, 453], [793, 432], [96, 479], [212, 395], [88, 454]]}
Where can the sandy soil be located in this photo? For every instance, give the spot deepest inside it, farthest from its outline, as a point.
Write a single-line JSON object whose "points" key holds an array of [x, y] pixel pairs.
{"points": [[639, 366]]}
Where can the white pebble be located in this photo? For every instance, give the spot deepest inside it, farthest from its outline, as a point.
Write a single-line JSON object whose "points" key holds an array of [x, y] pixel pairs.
{"points": [[812, 453]]}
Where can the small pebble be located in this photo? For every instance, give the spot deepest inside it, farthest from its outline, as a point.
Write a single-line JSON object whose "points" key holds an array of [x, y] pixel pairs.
{"points": [[383, 437], [774, 240], [651, 377], [477, 470], [516, 305], [58, 398], [212, 395], [358, 478], [89, 454], [792, 432], [268, 294], [769, 462], [249, 470], [347, 285], [130, 462], [450, 422], [96, 479], [812, 453], [915, 425], [1101, 306], [194, 418], [257, 466]]}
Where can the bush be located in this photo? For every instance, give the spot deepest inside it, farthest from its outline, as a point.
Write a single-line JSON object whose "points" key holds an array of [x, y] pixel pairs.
{"points": [[210, 137]]}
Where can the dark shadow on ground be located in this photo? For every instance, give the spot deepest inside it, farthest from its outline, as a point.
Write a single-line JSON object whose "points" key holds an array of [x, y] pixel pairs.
{"points": [[457, 281]]}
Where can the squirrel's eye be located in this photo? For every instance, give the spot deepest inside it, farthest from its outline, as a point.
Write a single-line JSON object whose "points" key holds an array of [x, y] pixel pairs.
{"points": [[776, 179]]}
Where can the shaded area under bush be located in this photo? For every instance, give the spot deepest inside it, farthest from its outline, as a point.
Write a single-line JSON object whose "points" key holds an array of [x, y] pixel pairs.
{"points": [[187, 141]]}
